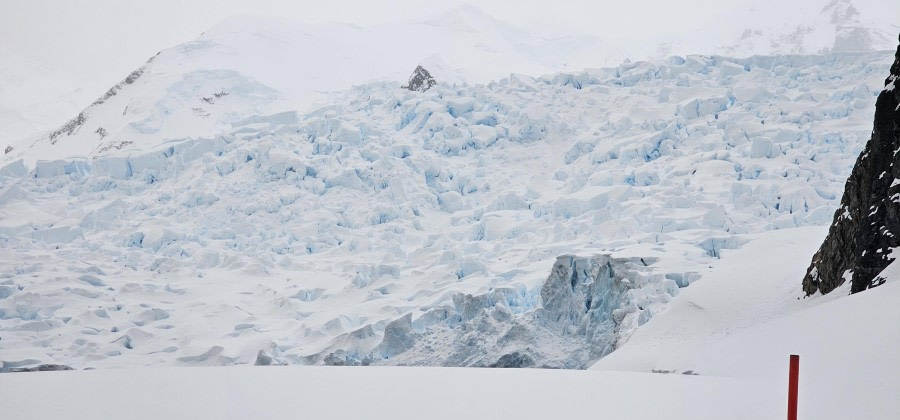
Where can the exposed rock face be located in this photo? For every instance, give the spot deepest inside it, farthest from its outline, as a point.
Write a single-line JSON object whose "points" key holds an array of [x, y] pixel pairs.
{"points": [[73, 125], [420, 81], [867, 225]]}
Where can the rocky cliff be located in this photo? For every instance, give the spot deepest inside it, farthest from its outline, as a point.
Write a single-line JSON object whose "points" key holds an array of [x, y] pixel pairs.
{"points": [[866, 226]]}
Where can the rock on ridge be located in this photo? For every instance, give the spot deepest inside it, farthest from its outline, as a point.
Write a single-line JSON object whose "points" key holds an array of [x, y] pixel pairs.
{"points": [[421, 80]]}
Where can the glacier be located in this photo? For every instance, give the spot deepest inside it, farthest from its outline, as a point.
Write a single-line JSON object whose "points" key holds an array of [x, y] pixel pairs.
{"points": [[528, 221]]}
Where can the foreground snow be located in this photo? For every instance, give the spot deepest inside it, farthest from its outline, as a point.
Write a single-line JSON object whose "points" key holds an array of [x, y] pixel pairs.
{"points": [[737, 349], [382, 393], [745, 317]]}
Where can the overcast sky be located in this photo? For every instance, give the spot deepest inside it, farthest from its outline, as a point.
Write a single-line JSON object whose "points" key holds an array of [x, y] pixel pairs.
{"points": [[106, 39], [116, 36]]}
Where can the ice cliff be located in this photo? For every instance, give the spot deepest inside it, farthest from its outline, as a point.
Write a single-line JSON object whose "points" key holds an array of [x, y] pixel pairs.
{"points": [[530, 221]]}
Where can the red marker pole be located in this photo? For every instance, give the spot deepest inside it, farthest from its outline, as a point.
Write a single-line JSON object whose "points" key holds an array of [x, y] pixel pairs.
{"points": [[792, 387]]}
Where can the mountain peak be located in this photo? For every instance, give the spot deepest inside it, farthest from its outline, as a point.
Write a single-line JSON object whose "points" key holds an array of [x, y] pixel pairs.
{"points": [[466, 18]]}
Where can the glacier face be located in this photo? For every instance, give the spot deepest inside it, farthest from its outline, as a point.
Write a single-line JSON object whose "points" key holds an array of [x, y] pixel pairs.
{"points": [[583, 309], [397, 227]]}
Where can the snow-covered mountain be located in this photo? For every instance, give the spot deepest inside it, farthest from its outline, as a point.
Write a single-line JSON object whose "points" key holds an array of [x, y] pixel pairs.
{"points": [[286, 65], [520, 222], [270, 194], [303, 61], [808, 27]]}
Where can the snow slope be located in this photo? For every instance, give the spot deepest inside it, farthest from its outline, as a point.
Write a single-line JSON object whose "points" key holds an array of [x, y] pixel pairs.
{"points": [[745, 317], [393, 227]]}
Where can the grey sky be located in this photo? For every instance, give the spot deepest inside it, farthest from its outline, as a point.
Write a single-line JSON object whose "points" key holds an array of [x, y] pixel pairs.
{"points": [[116, 36], [106, 39]]}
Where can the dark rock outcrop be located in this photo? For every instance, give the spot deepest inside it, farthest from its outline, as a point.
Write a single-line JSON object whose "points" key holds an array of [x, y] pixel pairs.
{"points": [[41, 368], [420, 81], [867, 225]]}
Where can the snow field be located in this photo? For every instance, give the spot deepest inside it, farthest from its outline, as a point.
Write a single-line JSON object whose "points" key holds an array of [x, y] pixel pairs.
{"points": [[713, 332]]}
